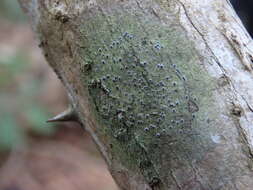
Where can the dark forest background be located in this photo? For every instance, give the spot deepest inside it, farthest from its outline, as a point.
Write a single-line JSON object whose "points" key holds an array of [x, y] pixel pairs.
{"points": [[244, 9]]}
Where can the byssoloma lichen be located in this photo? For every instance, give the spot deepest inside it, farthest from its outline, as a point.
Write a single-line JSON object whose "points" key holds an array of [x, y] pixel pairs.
{"points": [[149, 85]]}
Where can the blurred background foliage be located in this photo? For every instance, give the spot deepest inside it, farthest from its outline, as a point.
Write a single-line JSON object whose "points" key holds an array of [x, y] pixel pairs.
{"points": [[21, 95], [10, 10], [34, 154], [17, 96]]}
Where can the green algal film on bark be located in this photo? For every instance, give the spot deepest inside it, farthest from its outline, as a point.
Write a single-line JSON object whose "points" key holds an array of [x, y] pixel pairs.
{"points": [[149, 90]]}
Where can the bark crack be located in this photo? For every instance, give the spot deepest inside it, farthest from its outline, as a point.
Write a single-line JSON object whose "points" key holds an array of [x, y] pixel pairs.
{"points": [[202, 36], [175, 180]]}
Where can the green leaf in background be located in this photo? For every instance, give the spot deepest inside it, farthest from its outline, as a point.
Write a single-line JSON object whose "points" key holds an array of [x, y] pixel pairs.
{"points": [[37, 117], [11, 66], [16, 63], [11, 10], [10, 133]]}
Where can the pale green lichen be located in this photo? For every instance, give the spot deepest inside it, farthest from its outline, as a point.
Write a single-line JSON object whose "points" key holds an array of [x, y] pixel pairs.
{"points": [[148, 89]]}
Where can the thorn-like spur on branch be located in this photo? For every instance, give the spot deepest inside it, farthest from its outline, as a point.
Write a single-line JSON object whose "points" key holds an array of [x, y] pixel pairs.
{"points": [[67, 115]]}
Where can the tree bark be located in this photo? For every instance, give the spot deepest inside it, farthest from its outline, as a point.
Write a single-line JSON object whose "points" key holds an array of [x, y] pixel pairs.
{"points": [[163, 86]]}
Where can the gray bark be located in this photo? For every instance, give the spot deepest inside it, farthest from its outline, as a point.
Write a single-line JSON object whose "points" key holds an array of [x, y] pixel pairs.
{"points": [[163, 86]]}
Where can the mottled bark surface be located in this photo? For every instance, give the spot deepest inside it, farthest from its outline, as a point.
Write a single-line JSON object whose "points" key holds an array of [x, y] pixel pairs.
{"points": [[164, 87]]}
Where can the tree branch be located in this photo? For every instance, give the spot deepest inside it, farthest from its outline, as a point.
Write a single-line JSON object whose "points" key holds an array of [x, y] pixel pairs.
{"points": [[164, 87]]}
